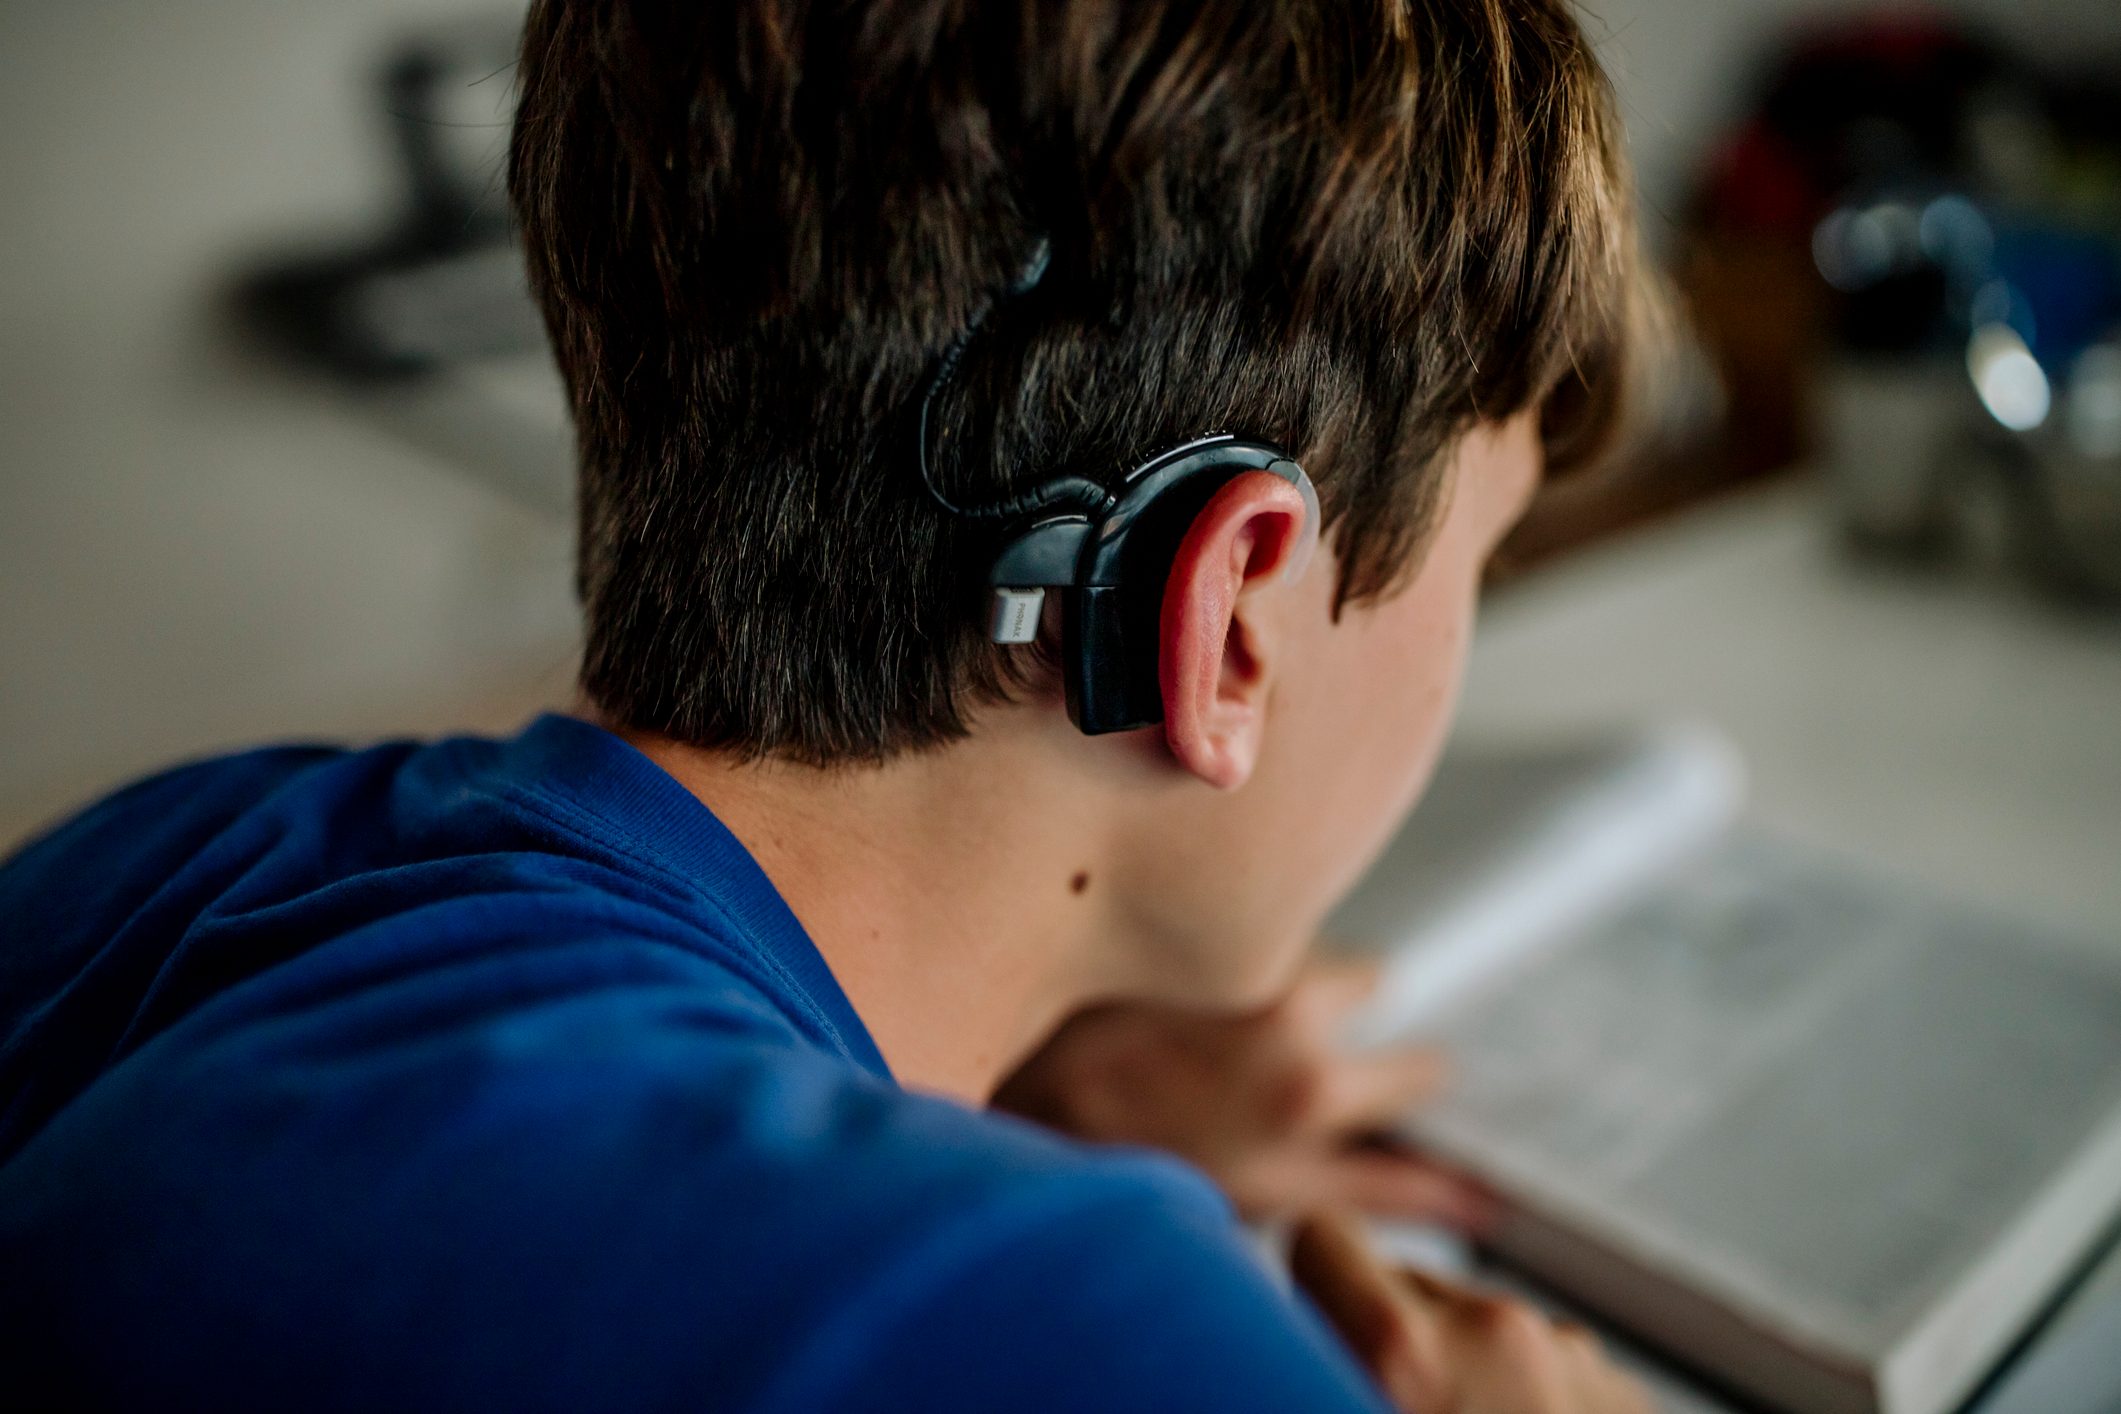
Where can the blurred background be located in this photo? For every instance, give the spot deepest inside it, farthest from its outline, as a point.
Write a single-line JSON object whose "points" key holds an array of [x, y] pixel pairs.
{"points": [[281, 455]]}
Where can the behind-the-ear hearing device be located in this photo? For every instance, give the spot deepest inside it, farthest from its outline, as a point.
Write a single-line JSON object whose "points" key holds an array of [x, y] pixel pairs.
{"points": [[1107, 550]]}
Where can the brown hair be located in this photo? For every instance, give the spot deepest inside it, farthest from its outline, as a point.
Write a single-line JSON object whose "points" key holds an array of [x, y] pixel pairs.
{"points": [[1354, 227]]}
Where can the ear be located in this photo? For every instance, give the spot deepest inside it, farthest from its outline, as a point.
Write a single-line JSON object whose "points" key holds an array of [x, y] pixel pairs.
{"points": [[1214, 656]]}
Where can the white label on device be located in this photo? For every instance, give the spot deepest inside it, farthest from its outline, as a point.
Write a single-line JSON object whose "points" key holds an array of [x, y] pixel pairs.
{"points": [[1016, 614]]}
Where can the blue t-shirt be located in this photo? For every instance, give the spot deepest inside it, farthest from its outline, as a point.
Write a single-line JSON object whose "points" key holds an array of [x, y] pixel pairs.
{"points": [[495, 1074]]}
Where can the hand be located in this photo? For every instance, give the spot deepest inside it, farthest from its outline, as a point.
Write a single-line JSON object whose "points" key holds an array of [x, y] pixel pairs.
{"points": [[1436, 1348], [1267, 1104]]}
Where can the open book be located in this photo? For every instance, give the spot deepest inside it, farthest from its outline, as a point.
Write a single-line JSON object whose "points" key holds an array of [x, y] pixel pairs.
{"points": [[1829, 1140]]}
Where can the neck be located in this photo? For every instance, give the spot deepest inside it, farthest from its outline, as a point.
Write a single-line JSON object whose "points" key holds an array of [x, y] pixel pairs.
{"points": [[962, 913]]}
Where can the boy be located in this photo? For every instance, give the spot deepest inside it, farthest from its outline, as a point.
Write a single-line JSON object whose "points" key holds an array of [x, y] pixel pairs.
{"points": [[640, 1059]]}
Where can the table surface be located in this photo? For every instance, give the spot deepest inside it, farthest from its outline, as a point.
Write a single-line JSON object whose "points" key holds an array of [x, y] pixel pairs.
{"points": [[1960, 733]]}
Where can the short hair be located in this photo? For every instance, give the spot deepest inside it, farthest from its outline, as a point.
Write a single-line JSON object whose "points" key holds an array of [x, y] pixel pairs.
{"points": [[1354, 227]]}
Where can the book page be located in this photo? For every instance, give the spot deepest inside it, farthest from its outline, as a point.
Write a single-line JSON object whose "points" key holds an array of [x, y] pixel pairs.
{"points": [[1512, 844], [1802, 1090]]}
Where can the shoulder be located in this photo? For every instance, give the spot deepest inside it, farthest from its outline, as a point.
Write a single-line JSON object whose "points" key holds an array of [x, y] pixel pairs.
{"points": [[144, 830], [628, 1204], [1078, 1279]]}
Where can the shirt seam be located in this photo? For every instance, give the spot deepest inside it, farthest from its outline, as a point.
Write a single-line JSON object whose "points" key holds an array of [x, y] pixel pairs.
{"points": [[557, 810]]}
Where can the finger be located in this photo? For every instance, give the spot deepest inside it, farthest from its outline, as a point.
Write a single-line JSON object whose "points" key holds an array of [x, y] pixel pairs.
{"points": [[1393, 1185], [1506, 1354], [1607, 1388], [1330, 990], [1587, 1368], [1467, 1305], [1513, 1352], [1435, 1289], [1624, 1394], [1294, 1178], [1389, 1332], [1377, 1091]]}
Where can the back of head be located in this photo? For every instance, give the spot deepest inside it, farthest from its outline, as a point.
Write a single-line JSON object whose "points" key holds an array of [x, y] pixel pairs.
{"points": [[1356, 227]]}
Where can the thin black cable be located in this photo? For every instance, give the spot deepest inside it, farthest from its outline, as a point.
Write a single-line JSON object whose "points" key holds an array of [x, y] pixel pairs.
{"points": [[1076, 492]]}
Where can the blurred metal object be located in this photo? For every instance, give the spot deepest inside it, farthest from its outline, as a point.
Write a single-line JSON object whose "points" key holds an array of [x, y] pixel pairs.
{"points": [[446, 283], [429, 327], [1973, 412], [2070, 461], [1991, 464], [1884, 427], [446, 94], [1957, 346]]}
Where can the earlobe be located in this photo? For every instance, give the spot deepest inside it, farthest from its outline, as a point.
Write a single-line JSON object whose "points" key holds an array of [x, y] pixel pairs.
{"points": [[1215, 659]]}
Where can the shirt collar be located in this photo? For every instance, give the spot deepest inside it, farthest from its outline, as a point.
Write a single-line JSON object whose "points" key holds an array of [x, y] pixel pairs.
{"points": [[660, 822]]}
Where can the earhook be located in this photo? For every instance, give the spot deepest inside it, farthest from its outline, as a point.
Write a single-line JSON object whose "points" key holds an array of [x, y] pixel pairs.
{"points": [[1307, 546]]}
